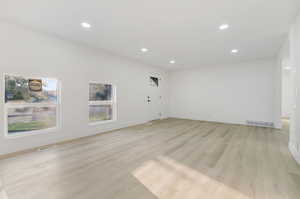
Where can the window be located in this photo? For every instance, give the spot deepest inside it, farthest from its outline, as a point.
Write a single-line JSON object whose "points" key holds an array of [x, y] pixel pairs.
{"points": [[30, 104], [101, 102], [154, 81]]}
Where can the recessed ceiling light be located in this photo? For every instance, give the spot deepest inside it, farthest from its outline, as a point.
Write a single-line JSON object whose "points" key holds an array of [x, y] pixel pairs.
{"points": [[234, 51], [144, 50], [172, 62], [86, 25], [287, 68], [223, 26]]}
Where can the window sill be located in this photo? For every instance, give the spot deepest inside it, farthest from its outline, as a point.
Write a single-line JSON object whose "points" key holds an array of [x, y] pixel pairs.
{"points": [[30, 133], [101, 122]]}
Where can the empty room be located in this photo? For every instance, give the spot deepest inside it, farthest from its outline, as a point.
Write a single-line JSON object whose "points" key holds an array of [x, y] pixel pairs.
{"points": [[136, 99]]}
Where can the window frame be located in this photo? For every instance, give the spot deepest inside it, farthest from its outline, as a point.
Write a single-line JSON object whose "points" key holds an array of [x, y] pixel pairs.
{"points": [[37, 105], [112, 102]]}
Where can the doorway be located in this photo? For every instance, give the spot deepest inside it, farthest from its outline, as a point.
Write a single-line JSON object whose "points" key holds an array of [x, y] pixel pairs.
{"points": [[154, 98]]}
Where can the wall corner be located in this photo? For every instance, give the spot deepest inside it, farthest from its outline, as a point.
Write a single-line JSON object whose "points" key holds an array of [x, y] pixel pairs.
{"points": [[294, 151]]}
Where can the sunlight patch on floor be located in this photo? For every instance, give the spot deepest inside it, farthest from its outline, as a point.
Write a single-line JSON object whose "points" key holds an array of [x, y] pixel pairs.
{"points": [[3, 194], [166, 179]]}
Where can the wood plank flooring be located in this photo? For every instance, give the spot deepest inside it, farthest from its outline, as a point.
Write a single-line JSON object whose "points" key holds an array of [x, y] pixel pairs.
{"points": [[170, 159]]}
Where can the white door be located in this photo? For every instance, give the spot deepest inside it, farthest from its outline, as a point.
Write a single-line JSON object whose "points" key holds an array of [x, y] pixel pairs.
{"points": [[154, 99]]}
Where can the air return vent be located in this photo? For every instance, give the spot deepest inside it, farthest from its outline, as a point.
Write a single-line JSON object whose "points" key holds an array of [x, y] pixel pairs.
{"points": [[259, 123]]}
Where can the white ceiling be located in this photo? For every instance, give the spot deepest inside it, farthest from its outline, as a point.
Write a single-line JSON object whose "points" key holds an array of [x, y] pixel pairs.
{"points": [[183, 30]]}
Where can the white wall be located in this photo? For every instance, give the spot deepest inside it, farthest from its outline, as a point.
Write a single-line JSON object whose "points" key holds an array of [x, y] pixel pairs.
{"points": [[294, 39], [31, 54], [287, 93], [286, 81], [227, 93]]}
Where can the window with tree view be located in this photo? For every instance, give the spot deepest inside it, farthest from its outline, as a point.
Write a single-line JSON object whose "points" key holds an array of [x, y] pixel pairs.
{"points": [[101, 102], [30, 104]]}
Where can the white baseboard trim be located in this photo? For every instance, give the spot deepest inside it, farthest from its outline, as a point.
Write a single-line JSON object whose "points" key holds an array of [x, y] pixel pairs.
{"points": [[295, 153]]}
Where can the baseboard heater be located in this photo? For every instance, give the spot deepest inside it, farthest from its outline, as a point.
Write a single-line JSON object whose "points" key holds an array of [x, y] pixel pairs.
{"points": [[259, 123]]}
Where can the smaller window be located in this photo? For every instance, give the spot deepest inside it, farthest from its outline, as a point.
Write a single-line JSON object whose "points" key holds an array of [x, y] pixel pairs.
{"points": [[101, 102], [154, 81]]}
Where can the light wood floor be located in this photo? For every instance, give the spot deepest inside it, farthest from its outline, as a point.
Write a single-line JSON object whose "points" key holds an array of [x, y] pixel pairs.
{"points": [[170, 159]]}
